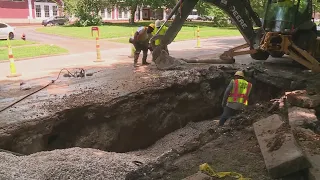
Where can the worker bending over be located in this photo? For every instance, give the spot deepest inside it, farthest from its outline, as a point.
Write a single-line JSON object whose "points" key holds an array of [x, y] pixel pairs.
{"points": [[161, 32], [235, 97], [141, 43]]}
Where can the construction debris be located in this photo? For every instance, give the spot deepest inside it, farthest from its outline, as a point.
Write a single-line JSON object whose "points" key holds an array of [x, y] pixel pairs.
{"points": [[287, 157], [301, 117], [301, 98], [314, 171]]}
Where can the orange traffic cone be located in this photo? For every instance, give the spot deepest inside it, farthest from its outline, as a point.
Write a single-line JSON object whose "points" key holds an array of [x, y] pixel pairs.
{"points": [[23, 37], [13, 72]]}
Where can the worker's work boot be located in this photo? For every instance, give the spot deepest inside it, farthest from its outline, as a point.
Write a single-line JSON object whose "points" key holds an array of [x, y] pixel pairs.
{"points": [[135, 60], [144, 60]]}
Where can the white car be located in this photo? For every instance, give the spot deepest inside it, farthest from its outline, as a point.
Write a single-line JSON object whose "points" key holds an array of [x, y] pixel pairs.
{"points": [[193, 15], [6, 31]]}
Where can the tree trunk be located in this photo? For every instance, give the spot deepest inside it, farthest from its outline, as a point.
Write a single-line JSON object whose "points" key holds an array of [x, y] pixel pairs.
{"points": [[133, 13]]}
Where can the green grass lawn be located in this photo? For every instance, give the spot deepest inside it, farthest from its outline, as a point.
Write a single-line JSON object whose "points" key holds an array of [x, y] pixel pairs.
{"points": [[4, 43], [120, 32], [32, 51]]}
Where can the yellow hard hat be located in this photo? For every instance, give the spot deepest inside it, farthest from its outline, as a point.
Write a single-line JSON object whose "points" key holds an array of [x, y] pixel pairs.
{"points": [[152, 25], [239, 73]]}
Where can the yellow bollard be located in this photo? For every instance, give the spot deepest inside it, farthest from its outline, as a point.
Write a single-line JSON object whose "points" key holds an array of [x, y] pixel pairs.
{"points": [[198, 38], [132, 46], [97, 43], [13, 71], [98, 51]]}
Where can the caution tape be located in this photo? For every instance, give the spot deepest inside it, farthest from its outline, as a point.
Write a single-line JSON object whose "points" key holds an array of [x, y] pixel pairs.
{"points": [[208, 170]]}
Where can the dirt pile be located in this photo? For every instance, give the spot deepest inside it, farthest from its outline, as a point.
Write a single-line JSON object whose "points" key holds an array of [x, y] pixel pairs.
{"points": [[137, 120], [75, 163]]}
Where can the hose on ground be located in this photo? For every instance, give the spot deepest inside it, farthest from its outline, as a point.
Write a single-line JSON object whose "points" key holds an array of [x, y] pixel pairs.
{"points": [[76, 74]]}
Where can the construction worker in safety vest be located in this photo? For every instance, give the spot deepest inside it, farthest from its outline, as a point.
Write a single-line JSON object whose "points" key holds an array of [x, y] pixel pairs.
{"points": [[235, 97], [141, 43], [161, 32]]}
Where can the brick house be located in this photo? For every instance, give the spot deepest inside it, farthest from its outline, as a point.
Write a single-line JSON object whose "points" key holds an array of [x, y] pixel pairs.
{"points": [[34, 11], [123, 14], [28, 11]]}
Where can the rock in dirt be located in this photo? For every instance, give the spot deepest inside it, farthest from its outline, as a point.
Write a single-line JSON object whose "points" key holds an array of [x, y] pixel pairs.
{"points": [[198, 176], [75, 163], [301, 116], [314, 171], [280, 151], [301, 98], [25, 86]]}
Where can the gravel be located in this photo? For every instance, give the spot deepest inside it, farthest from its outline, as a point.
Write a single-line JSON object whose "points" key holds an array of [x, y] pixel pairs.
{"points": [[175, 140], [80, 163], [75, 163]]}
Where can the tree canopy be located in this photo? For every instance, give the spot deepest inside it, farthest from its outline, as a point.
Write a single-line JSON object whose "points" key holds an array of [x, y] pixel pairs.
{"points": [[88, 10]]}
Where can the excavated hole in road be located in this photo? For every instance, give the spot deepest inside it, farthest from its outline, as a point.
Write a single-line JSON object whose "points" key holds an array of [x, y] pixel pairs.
{"points": [[137, 121]]}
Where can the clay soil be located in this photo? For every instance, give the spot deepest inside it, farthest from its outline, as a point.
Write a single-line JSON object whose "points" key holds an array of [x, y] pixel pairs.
{"points": [[236, 151], [234, 148]]}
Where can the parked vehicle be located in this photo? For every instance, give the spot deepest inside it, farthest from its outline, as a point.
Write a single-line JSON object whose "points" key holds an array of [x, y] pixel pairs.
{"points": [[205, 18], [208, 18], [193, 15], [6, 31], [55, 20], [201, 18]]}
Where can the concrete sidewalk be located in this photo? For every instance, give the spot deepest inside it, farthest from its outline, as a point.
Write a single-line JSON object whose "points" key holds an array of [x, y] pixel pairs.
{"points": [[40, 67]]}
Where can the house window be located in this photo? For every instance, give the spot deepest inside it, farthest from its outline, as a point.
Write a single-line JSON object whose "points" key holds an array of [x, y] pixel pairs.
{"points": [[125, 13], [120, 11], [109, 13], [55, 10], [103, 13], [38, 11], [46, 11]]}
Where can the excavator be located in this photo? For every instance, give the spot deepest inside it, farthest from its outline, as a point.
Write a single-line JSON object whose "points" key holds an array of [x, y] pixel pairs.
{"points": [[287, 27]]}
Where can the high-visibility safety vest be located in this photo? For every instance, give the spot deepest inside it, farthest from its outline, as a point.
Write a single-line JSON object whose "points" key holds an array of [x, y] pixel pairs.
{"points": [[162, 32], [240, 91]]}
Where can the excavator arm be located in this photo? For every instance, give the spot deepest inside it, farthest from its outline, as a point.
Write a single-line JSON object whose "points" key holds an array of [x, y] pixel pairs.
{"points": [[260, 42], [240, 11]]}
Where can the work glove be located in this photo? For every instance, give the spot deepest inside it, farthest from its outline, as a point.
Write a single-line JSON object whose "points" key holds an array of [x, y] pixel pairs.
{"points": [[131, 40]]}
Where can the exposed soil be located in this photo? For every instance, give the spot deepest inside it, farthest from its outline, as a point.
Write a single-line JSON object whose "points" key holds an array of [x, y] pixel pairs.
{"points": [[131, 122], [225, 149], [276, 142], [142, 122], [308, 139]]}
